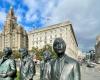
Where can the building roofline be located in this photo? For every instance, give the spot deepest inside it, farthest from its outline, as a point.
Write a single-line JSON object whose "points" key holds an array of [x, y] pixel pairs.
{"points": [[74, 35], [50, 27]]}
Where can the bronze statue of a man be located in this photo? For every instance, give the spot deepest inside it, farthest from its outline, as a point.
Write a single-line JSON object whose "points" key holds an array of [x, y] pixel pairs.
{"points": [[7, 65], [27, 69], [63, 67], [45, 66]]}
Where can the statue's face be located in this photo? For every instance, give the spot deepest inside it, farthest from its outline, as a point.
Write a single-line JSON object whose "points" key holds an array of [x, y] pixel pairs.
{"points": [[59, 46], [46, 56]]}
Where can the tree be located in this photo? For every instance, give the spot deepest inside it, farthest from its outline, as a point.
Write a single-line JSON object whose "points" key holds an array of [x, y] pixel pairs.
{"points": [[49, 47], [16, 54], [36, 51], [1, 54], [39, 52]]}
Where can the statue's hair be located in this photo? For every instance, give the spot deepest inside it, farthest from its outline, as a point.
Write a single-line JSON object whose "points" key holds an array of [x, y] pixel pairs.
{"points": [[8, 49], [23, 49], [59, 40]]}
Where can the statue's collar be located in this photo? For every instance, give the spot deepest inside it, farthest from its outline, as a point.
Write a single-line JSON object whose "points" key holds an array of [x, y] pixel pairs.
{"points": [[64, 57], [60, 58]]}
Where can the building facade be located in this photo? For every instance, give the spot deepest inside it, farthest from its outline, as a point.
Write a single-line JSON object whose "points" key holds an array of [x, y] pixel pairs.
{"points": [[39, 38], [97, 49], [13, 35]]}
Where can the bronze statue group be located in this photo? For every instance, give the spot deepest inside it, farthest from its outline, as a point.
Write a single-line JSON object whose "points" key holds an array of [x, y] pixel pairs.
{"points": [[61, 68]]}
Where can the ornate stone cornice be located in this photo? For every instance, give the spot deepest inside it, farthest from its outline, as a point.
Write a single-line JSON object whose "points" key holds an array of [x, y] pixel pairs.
{"points": [[63, 24]]}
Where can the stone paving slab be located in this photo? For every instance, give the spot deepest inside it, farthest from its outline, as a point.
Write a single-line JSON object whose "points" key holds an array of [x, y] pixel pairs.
{"points": [[86, 73]]}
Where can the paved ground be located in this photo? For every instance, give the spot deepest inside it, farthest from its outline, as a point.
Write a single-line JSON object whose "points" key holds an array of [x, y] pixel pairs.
{"points": [[36, 77], [90, 73], [86, 73]]}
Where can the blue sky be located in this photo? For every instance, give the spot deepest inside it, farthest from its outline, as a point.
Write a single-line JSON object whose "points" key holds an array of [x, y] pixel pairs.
{"points": [[83, 14]]}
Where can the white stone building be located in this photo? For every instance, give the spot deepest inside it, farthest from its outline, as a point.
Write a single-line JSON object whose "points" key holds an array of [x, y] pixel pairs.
{"points": [[40, 37], [97, 49]]}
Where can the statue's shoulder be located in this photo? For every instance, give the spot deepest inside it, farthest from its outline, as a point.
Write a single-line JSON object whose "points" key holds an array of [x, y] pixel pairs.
{"points": [[11, 60], [70, 60]]}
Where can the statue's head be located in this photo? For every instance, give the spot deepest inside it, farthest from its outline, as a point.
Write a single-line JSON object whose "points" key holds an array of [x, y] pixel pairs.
{"points": [[59, 46], [7, 51], [23, 52], [46, 55]]}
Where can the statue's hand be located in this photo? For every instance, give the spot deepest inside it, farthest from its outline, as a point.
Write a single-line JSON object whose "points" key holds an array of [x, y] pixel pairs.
{"points": [[3, 75]]}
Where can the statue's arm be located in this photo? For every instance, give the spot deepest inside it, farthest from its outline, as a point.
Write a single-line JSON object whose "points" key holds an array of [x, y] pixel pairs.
{"points": [[2, 74], [13, 70], [77, 74]]}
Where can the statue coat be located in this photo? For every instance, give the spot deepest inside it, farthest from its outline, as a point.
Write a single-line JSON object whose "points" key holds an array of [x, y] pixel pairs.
{"points": [[70, 69], [27, 69], [7, 66], [45, 70]]}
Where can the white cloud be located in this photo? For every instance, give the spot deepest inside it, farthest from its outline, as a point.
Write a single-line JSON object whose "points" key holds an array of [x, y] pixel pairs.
{"points": [[48, 8], [32, 7], [67, 9], [19, 14], [43, 8], [30, 17], [31, 4], [2, 16], [82, 14]]}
